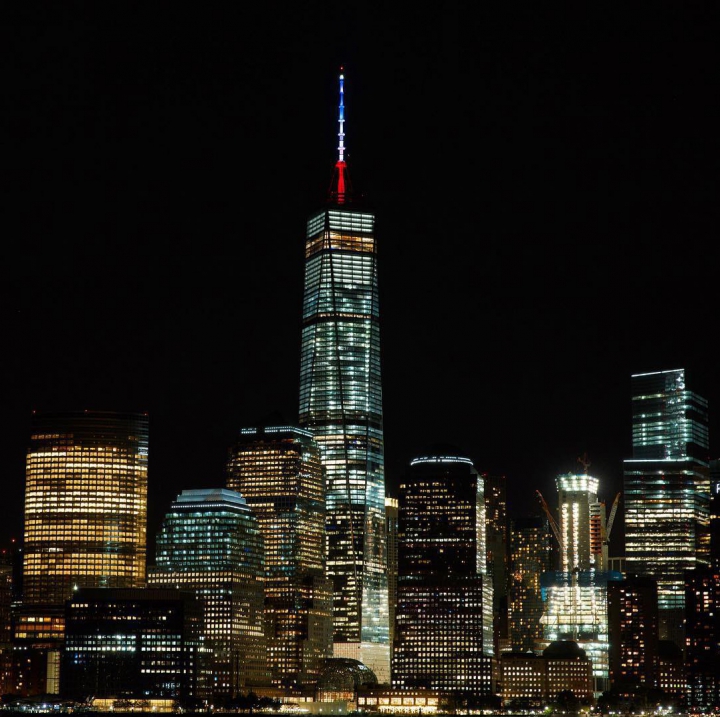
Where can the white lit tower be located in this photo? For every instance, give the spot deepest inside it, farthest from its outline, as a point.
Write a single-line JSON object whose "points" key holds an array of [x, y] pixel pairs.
{"points": [[341, 404], [576, 594], [667, 489]]}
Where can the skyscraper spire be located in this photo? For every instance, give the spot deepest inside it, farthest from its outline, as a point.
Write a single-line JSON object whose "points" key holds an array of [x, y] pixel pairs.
{"points": [[340, 184], [341, 406], [341, 119]]}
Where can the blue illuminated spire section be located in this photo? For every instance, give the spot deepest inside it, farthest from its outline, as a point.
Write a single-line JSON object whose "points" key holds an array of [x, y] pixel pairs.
{"points": [[341, 119], [340, 184]]}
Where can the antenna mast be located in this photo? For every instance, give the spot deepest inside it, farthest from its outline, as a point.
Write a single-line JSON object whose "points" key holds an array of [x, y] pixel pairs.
{"points": [[341, 119], [340, 166]]}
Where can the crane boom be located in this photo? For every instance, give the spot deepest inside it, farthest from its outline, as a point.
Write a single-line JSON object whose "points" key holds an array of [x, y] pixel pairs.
{"points": [[611, 518], [551, 520]]}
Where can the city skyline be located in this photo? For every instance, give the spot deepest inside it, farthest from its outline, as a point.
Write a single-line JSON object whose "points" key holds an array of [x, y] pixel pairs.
{"points": [[544, 204]]}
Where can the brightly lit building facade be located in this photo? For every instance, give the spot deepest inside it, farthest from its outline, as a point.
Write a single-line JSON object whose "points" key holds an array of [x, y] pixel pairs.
{"points": [[210, 543], [530, 557], [667, 489], [341, 404], [85, 524], [576, 594], [277, 470], [529, 681], [444, 612]]}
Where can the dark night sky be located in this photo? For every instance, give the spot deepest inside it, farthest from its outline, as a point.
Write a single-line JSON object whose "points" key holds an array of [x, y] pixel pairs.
{"points": [[545, 182]]}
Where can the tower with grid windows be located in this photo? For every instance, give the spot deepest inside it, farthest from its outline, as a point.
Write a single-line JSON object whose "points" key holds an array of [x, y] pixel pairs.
{"points": [[85, 527], [667, 490], [277, 470], [341, 405]]}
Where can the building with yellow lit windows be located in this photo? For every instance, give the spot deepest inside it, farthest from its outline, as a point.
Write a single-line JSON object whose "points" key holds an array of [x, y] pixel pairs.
{"points": [[530, 557], [277, 470], [85, 526]]}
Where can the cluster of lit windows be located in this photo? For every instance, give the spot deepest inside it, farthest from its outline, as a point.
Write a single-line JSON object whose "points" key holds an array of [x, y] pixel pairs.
{"points": [[341, 403], [279, 473], [85, 504], [529, 559], [211, 543], [145, 642]]}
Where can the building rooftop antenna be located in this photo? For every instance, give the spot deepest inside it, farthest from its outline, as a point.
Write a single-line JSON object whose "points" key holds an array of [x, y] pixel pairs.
{"points": [[340, 185]]}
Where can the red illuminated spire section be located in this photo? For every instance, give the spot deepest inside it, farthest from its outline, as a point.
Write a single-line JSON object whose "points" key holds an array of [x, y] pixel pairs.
{"points": [[340, 184]]}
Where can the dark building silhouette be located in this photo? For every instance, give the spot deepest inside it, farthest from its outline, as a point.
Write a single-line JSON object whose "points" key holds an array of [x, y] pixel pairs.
{"points": [[702, 638], [715, 514], [633, 626], [138, 644], [497, 555], [443, 627], [6, 602], [671, 670]]}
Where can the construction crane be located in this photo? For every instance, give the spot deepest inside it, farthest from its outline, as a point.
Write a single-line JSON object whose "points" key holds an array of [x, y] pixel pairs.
{"points": [[584, 461], [611, 518], [551, 520]]}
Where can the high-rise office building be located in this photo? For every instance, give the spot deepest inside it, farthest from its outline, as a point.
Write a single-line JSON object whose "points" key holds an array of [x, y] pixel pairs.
{"points": [[391, 532], [210, 543], [667, 489], [341, 404], [576, 595], [444, 620], [633, 625], [277, 470], [497, 554], [85, 522], [530, 557]]}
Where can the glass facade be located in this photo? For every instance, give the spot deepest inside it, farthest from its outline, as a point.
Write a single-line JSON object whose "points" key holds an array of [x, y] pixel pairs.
{"points": [[444, 612], [341, 405], [667, 490], [85, 504], [278, 471], [211, 543], [85, 516], [391, 534]]}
